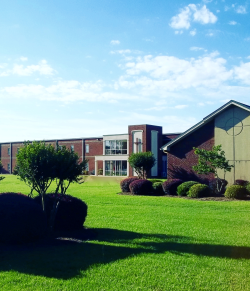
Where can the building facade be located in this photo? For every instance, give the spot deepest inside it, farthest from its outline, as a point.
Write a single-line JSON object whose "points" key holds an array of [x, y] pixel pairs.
{"points": [[107, 155]]}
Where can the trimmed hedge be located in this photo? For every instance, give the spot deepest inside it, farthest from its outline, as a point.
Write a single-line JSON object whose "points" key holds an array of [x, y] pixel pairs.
{"points": [[124, 184], [21, 219], [170, 186], [183, 189], [236, 192], [198, 191], [141, 187], [157, 188], [240, 182], [71, 213]]}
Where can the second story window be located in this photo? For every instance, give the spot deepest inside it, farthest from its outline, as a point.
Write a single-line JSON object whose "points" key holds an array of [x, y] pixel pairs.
{"points": [[86, 148], [8, 151], [116, 147], [18, 150], [72, 148]]}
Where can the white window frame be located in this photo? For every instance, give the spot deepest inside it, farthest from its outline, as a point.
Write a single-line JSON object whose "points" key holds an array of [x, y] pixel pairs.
{"points": [[87, 148], [72, 148]]}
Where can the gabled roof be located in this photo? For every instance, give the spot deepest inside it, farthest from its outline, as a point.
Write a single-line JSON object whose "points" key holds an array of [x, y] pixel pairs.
{"points": [[205, 120]]}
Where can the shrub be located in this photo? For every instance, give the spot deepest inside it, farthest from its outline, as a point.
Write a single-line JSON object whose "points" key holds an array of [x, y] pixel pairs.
{"points": [[214, 184], [236, 192], [240, 182], [71, 212], [85, 172], [248, 188], [170, 186], [155, 180], [199, 190], [100, 171], [140, 187], [157, 188], [21, 219], [124, 184], [183, 189]]}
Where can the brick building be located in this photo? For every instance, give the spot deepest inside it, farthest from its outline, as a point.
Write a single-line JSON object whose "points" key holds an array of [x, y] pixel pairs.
{"points": [[228, 126], [106, 154]]}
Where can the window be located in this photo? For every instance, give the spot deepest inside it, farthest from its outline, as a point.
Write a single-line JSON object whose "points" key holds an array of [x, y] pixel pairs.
{"points": [[115, 147], [72, 148], [86, 148], [18, 150], [115, 168], [87, 167], [60, 147], [9, 168], [8, 151]]}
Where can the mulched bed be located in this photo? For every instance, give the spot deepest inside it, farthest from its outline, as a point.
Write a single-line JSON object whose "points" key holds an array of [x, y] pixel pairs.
{"points": [[216, 198]]}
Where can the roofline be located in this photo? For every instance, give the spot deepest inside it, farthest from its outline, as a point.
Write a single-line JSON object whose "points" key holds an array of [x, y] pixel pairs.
{"points": [[205, 120], [55, 139], [172, 133]]}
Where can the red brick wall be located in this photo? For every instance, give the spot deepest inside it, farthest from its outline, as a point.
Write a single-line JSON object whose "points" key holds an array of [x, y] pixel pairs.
{"points": [[181, 157], [95, 149]]}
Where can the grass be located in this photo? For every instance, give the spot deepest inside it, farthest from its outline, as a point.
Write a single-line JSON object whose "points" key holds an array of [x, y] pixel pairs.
{"points": [[143, 243]]}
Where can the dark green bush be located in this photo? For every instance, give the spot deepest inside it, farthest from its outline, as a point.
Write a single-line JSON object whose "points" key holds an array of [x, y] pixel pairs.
{"points": [[236, 192], [198, 191], [183, 189], [22, 220], [141, 187], [157, 188], [124, 184], [214, 184], [240, 182], [71, 213], [248, 188], [170, 186]]}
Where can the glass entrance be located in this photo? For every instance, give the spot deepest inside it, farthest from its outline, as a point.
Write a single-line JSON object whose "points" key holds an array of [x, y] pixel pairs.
{"points": [[115, 168]]}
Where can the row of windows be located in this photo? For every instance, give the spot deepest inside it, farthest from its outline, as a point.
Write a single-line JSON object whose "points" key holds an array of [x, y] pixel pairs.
{"points": [[116, 147]]}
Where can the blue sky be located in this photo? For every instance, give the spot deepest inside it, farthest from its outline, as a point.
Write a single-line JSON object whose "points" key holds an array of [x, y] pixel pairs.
{"points": [[72, 69]]}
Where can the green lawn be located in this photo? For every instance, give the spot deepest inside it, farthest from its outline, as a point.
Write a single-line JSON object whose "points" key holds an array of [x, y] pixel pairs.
{"points": [[144, 243]]}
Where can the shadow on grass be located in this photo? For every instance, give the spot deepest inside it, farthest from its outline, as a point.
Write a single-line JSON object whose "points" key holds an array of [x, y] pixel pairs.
{"points": [[68, 260]]}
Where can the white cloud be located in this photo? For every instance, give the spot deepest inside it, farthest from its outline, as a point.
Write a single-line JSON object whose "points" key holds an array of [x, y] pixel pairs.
{"points": [[210, 34], [241, 9], [203, 15], [195, 48], [115, 42], [191, 13], [42, 68], [193, 32], [182, 20], [242, 73], [247, 39], [23, 59], [232, 22], [68, 91], [168, 73]]}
